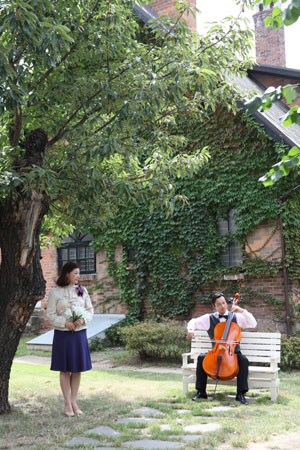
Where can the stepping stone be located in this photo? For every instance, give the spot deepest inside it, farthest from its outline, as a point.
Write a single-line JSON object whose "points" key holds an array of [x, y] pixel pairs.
{"points": [[145, 411], [105, 448], [82, 441], [136, 420], [187, 437], [206, 417], [165, 427], [218, 409], [202, 427], [153, 444], [183, 411], [103, 430]]}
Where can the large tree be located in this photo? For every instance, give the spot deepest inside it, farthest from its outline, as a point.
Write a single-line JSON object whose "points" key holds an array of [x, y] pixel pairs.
{"points": [[85, 93]]}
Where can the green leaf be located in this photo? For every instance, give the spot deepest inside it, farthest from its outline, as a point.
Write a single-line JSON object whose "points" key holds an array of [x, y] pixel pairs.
{"points": [[276, 11], [253, 105], [268, 21], [290, 93]]}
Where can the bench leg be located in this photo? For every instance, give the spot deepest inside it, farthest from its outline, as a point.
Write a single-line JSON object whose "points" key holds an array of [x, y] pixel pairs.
{"points": [[274, 392], [185, 386]]}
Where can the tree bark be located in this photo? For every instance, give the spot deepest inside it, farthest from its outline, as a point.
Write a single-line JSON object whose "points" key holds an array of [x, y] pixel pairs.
{"points": [[21, 279]]}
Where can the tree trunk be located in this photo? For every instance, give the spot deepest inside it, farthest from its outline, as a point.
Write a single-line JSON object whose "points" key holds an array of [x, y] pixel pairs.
{"points": [[21, 279]]}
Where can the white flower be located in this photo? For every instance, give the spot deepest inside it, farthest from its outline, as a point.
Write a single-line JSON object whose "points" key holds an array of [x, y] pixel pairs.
{"points": [[78, 312]]}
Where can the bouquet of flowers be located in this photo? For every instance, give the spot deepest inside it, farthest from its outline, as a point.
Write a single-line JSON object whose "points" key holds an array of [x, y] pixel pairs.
{"points": [[77, 313]]}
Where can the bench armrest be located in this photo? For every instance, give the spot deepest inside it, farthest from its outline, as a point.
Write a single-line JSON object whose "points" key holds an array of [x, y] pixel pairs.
{"points": [[274, 360], [185, 358]]}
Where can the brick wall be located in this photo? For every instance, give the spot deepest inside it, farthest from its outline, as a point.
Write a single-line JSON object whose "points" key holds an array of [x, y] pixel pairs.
{"points": [[265, 242], [269, 318], [167, 7], [270, 44], [49, 268], [108, 298]]}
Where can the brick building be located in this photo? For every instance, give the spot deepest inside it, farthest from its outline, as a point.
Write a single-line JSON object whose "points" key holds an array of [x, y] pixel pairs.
{"points": [[263, 242]]}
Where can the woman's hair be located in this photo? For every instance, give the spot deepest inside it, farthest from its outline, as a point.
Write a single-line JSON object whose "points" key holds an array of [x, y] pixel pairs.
{"points": [[67, 268]]}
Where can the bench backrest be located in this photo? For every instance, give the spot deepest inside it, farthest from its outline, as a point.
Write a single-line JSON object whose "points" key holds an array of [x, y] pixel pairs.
{"points": [[257, 346]]}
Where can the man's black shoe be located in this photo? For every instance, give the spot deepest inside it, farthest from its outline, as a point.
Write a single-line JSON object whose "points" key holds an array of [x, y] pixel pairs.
{"points": [[199, 395], [241, 398]]}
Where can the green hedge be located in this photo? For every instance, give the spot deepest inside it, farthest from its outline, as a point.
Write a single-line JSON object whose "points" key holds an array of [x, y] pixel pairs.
{"points": [[290, 353], [160, 341]]}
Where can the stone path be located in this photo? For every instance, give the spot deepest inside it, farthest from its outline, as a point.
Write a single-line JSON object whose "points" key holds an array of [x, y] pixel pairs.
{"points": [[104, 436]]}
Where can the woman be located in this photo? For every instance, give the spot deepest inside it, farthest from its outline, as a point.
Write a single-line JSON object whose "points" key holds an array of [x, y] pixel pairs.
{"points": [[69, 310]]}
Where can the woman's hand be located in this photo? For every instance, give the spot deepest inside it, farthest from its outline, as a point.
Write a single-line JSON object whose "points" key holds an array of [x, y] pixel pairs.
{"points": [[79, 322], [70, 325]]}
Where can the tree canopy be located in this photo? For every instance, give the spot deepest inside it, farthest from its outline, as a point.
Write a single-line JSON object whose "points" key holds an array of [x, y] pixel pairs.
{"points": [[103, 89], [87, 94]]}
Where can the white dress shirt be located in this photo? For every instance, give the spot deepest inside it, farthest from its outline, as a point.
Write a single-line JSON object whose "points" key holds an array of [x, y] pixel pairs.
{"points": [[244, 320], [62, 301]]}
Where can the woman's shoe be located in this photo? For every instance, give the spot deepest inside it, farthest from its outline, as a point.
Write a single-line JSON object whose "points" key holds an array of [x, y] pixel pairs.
{"points": [[79, 412], [69, 414]]}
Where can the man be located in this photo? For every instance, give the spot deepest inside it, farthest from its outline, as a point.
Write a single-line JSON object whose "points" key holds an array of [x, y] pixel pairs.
{"points": [[208, 323]]}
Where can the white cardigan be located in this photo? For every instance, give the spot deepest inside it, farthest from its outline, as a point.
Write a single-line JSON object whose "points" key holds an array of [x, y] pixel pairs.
{"points": [[62, 301]]}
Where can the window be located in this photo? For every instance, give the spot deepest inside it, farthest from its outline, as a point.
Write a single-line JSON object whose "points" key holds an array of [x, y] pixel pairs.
{"points": [[231, 255], [77, 248]]}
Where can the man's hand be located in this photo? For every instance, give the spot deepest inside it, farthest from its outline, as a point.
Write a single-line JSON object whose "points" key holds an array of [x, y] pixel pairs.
{"points": [[70, 325], [236, 308], [190, 335]]}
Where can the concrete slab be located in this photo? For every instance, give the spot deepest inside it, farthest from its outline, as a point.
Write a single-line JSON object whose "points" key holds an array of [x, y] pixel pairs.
{"points": [[183, 411], [82, 441], [148, 412], [202, 427], [136, 420], [96, 328], [165, 427], [187, 437], [103, 431], [153, 444], [219, 409]]}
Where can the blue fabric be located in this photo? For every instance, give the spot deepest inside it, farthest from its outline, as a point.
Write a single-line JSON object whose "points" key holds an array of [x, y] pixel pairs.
{"points": [[70, 351]]}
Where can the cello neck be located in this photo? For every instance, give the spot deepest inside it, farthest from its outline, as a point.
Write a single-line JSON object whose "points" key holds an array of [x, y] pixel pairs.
{"points": [[230, 316]]}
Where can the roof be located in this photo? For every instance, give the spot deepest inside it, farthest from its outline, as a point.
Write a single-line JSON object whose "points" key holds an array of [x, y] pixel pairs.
{"points": [[266, 69], [270, 118], [144, 12]]}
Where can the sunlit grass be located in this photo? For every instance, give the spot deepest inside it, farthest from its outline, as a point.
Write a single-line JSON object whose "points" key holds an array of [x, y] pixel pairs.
{"points": [[37, 422]]}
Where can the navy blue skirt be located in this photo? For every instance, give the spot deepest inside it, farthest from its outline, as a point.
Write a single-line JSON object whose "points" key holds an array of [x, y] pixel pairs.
{"points": [[70, 351]]}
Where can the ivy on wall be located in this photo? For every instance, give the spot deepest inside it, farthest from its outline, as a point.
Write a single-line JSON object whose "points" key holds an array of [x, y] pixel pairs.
{"points": [[176, 256]]}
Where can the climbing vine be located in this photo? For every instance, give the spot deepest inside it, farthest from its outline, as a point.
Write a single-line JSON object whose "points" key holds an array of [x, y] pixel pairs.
{"points": [[176, 257]]}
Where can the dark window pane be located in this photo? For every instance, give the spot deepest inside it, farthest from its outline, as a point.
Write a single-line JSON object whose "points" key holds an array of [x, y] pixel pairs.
{"points": [[231, 255], [81, 252]]}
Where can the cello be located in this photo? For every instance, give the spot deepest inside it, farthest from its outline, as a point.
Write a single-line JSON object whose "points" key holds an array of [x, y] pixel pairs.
{"points": [[221, 362]]}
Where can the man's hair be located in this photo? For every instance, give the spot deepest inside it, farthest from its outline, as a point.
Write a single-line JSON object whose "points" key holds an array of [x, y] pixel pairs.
{"points": [[216, 296]]}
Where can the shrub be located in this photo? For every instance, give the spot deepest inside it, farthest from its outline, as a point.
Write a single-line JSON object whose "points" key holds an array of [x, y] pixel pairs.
{"points": [[161, 341], [290, 353], [96, 345]]}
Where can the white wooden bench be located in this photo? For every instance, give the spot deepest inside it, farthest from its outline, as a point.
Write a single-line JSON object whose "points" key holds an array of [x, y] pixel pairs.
{"points": [[258, 347]]}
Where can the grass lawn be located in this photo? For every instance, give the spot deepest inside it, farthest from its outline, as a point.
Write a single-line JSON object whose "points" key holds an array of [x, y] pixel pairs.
{"points": [[37, 422]]}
